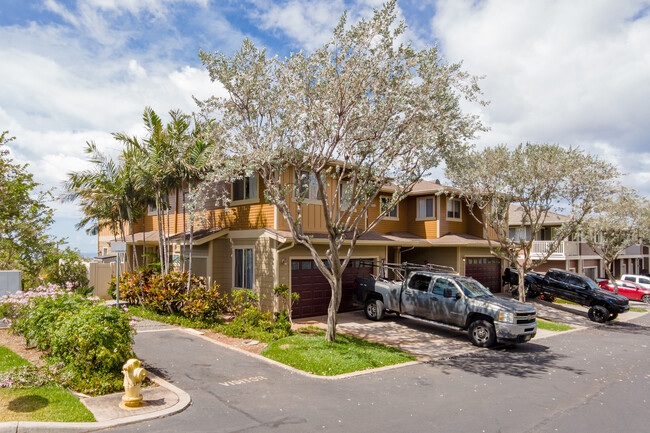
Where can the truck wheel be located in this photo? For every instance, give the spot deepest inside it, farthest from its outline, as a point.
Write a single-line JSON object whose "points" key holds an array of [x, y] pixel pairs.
{"points": [[482, 333], [598, 314], [646, 299], [374, 309]]}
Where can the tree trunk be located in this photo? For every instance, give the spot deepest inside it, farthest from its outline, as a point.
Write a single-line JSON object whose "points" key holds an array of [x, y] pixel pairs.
{"points": [[610, 277], [189, 263], [522, 286], [161, 243], [336, 283]]}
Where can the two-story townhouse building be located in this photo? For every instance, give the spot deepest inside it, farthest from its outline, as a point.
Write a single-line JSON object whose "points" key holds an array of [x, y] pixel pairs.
{"points": [[573, 254], [249, 244]]}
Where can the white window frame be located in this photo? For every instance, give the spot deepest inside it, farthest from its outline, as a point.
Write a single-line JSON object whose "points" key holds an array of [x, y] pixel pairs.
{"points": [[395, 210], [250, 197], [433, 209], [460, 210], [234, 267]]}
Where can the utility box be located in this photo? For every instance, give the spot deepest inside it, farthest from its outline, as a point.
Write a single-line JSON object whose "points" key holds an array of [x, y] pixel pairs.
{"points": [[10, 282]]}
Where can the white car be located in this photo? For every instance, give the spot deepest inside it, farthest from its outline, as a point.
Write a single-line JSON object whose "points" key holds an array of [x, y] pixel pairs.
{"points": [[641, 280]]}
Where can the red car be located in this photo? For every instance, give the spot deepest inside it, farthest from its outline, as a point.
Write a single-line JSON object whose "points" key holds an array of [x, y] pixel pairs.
{"points": [[628, 289]]}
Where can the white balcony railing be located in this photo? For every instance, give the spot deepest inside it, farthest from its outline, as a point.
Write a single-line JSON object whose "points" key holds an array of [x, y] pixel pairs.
{"points": [[565, 249]]}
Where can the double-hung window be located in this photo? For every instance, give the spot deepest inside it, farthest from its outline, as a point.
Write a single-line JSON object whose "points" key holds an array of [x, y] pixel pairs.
{"points": [[453, 209], [384, 204], [243, 268], [426, 208], [245, 188]]}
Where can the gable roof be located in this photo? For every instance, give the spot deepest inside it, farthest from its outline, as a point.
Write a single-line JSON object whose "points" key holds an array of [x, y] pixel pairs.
{"points": [[517, 211]]}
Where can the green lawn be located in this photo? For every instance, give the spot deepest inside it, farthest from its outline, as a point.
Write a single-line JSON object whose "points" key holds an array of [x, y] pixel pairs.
{"points": [[311, 353], [47, 403], [638, 310], [552, 326]]}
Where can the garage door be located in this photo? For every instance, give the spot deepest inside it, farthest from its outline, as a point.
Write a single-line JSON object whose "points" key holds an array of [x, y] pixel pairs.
{"points": [[485, 270], [314, 290]]}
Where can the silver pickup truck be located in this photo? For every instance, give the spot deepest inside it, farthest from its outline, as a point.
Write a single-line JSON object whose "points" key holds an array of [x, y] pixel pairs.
{"points": [[449, 300]]}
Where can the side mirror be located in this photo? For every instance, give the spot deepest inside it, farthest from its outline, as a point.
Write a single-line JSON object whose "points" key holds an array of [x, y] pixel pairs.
{"points": [[447, 294]]}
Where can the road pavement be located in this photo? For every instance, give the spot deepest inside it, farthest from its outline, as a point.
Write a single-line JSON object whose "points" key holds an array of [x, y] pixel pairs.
{"points": [[592, 380]]}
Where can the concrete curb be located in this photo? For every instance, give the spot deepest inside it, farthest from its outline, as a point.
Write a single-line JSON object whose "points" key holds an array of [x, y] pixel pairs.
{"points": [[184, 400]]}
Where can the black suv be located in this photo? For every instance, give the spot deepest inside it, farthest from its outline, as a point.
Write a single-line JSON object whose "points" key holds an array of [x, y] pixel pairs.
{"points": [[577, 288]]}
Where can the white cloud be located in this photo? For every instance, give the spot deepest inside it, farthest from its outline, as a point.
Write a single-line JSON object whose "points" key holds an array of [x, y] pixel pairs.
{"points": [[569, 72]]}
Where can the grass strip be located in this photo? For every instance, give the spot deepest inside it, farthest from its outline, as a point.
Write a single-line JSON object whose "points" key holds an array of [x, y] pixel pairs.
{"points": [[638, 310], [46, 403], [552, 326], [144, 313], [311, 353], [564, 301], [9, 360]]}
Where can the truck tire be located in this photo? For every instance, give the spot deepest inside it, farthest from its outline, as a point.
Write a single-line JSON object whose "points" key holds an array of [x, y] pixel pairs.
{"points": [[374, 309], [612, 316], [598, 314], [646, 299], [482, 333]]}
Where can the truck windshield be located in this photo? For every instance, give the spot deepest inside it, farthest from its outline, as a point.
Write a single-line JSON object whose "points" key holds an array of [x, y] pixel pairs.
{"points": [[592, 285], [473, 289]]}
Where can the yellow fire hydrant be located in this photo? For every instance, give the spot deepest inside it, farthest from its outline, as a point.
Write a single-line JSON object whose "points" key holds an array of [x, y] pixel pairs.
{"points": [[133, 377]]}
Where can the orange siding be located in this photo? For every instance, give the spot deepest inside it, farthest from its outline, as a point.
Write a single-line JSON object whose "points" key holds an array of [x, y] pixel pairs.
{"points": [[426, 229]]}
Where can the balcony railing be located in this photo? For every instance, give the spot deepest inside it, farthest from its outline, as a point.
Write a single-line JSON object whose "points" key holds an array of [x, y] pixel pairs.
{"points": [[564, 249]]}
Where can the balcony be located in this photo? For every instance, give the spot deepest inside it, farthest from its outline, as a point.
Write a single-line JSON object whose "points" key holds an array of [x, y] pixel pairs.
{"points": [[564, 250]]}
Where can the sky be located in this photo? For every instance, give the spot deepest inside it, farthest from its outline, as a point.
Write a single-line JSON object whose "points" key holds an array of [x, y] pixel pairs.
{"points": [[573, 72]]}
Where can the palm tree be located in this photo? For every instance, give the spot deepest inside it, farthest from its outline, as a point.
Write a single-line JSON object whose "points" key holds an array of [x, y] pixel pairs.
{"points": [[194, 165]]}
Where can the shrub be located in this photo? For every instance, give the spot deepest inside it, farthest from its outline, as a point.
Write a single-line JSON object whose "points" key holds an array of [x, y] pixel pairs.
{"points": [[168, 294], [87, 342]]}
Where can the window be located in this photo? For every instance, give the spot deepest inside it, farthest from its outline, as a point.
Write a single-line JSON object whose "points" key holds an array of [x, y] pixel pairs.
{"points": [[453, 209], [152, 210], [441, 284], [426, 208], [384, 203], [419, 282], [344, 196], [105, 251], [519, 234], [243, 268], [245, 188], [307, 186]]}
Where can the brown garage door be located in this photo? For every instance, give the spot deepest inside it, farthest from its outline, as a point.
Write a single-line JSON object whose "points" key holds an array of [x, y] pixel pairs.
{"points": [[485, 270], [314, 290]]}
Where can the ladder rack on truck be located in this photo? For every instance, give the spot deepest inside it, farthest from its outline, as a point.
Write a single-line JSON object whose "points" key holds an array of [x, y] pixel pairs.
{"points": [[401, 270]]}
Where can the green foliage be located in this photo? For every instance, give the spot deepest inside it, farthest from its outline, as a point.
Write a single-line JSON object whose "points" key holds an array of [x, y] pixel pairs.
{"points": [[242, 300], [87, 343], [70, 272], [167, 294], [25, 220], [253, 324]]}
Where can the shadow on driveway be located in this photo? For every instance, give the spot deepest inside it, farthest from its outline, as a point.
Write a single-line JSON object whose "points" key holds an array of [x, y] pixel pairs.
{"points": [[525, 361]]}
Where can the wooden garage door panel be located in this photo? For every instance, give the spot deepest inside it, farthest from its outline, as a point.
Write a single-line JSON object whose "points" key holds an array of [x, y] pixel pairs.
{"points": [[485, 270], [314, 290]]}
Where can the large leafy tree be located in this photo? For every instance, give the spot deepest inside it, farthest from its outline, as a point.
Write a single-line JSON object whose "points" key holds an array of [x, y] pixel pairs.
{"points": [[617, 223], [363, 113], [540, 179], [25, 219]]}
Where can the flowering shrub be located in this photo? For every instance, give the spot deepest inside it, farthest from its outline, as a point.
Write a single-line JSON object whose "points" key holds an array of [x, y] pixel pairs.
{"points": [[87, 342], [168, 294], [25, 377]]}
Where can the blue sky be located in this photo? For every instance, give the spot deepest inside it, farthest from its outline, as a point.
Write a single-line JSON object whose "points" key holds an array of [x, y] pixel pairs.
{"points": [[570, 72]]}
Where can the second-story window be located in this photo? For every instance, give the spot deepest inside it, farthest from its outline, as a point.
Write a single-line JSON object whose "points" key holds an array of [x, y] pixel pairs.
{"points": [[153, 210], [453, 209], [384, 204], [245, 188], [426, 208], [307, 185]]}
